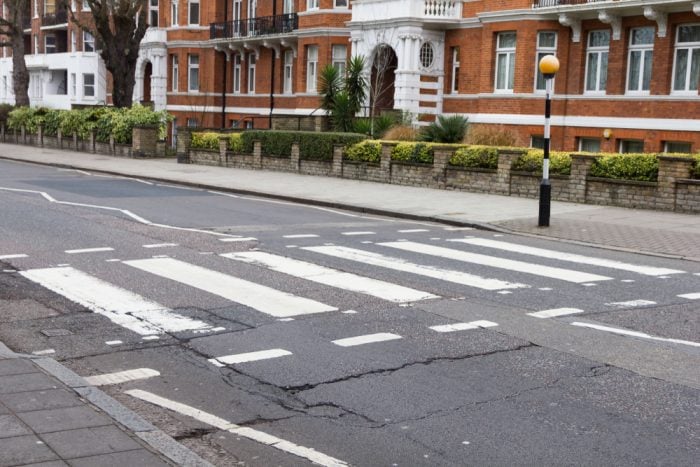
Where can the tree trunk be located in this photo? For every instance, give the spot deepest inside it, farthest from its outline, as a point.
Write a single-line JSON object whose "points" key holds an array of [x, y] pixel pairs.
{"points": [[20, 75], [123, 80]]}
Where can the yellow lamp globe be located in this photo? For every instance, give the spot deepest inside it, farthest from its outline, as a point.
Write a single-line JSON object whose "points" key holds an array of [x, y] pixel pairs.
{"points": [[549, 65]]}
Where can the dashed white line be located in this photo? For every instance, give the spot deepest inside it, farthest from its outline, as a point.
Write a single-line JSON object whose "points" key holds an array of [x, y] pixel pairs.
{"points": [[251, 356], [151, 338], [457, 229], [626, 332], [245, 432], [300, 236], [239, 239], [366, 339], [117, 342], [555, 312], [160, 245], [121, 376], [413, 230], [89, 250], [691, 296], [464, 326], [630, 304], [113, 260], [357, 233], [13, 256], [44, 352]]}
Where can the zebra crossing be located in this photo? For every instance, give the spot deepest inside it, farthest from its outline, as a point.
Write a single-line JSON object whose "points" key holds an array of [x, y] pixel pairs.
{"points": [[149, 318]]}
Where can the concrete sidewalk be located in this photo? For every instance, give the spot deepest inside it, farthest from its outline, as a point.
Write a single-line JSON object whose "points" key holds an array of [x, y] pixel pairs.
{"points": [[50, 415], [652, 232]]}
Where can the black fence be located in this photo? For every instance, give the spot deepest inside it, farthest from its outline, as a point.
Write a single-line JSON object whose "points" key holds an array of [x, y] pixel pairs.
{"points": [[60, 17], [261, 26]]}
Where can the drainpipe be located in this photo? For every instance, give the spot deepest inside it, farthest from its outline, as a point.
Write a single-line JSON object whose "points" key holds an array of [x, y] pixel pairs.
{"points": [[272, 68], [223, 71]]}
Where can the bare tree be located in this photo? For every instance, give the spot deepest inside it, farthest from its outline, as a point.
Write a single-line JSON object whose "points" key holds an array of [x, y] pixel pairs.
{"points": [[12, 35], [118, 27], [382, 80]]}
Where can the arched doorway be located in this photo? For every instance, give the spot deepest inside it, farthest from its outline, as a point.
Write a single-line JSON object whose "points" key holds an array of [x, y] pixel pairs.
{"points": [[383, 79], [147, 73]]}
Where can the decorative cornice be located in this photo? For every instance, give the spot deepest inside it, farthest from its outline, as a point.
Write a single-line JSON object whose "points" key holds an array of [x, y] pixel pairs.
{"points": [[661, 18], [696, 8], [574, 24], [604, 16]]}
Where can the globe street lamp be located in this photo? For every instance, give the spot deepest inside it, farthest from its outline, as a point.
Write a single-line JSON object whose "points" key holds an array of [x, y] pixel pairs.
{"points": [[549, 65]]}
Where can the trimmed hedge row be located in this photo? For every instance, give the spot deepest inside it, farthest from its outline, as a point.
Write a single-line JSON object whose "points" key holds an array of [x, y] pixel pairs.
{"points": [[105, 121], [481, 157], [209, 140], [312, 145], [417, 153], [531, 161]]}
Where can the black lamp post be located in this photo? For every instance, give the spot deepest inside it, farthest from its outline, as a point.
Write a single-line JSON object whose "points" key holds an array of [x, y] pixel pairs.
{"points": [[549, 65]]}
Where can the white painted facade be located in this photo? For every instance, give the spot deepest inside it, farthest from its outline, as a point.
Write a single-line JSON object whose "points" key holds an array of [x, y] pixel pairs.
{"points": [[154, 50]]}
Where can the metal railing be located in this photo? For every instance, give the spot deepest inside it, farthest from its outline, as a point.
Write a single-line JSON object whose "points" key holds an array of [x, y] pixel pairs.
{"points": [[261, 26], [550, 3], [60, 17]]}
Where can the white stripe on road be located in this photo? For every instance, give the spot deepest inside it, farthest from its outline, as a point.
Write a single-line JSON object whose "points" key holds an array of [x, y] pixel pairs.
{"points": [[159, 245], [331, 277], [569, 257], [630, 304], [121, 377], [366, 339], [626, 332], [691, 296], [12, 256], [44, 352], [301, 236], [464, 326], [245, 432], [357, 233], [495, 262], [122, 307], [259, 297], [398, 264], [413, 230], [553, 313], [239, 239], [89, 250], [250, 356]]}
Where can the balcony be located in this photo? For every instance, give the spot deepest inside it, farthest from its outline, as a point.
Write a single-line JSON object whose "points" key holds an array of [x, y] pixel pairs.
{"points": [[434, 12], [60, 17], [254, 27]]}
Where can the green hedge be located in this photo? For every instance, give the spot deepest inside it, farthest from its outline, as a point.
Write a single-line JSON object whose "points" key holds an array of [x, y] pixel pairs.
{"points": [[205, 140], [312, 145], [559, 162], [642, 167], [696, 167], [235, 143], [479, 157], [419, 153], [364, 151]]}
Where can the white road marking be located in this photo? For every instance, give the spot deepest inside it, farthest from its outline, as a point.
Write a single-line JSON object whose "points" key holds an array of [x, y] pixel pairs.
{"points": [[367, 242], [291, 246], [241, 239], [251, 356], [245, 432], [555, 312], [44, 352], [121, 377], [357, 233], [505, 292], [9, 270], [349, 312], [160, 245], [626, 332], [285, 320], [113, 260], [569, 257], [366, 339], [496, 262], [117, 342], [179, 187], [691, 296], [332, 277], [398, 264], [464, 326], [589, 285], [545, 289], [627, 280], [89, 250], [457, 229], [122, 307], [300, 236], [259, 297], [12, 256], [413, 230], [631, 303], [151, 338]]}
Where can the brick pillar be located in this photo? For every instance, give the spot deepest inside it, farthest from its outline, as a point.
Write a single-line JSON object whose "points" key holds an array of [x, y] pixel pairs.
{"points": [[385, 161], [257, 154], [93, 137], [182, 145], [671, 169], [75, 141], [111, 144], [506, 159], [580, 168], [337, 168], [23, 135], [144, 141], [441, 156], [59, 136], [40, 136], [294, 164], [223, 150], [2, 132]]}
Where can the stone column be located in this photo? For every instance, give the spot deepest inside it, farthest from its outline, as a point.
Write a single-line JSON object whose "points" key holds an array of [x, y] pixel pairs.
{"points": [[671, 169], [506, 159], [2, 132], [337, 167], [92, 137], [144, 141], [23, 135], [184, 137], [294, 158], [441, 157], [223, 150], [40, 136], [59, 136], [257, 154], [385, 161], [111, 144], [75, 141], [580, 168]]}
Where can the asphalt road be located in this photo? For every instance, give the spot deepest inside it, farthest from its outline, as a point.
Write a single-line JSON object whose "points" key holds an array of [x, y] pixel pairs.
{"points": [[269, 333]]}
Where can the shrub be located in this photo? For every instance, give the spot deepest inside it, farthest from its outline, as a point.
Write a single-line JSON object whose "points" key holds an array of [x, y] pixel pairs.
{"points": [[696, 167], [124, 121], [23, 117], [51, 122], [274, 143], [312, 145], [205, 140], [642, 167], [401, 133], [419, 153], [482, 157], [75, 122], [445, 130], [5, 110], [362, 126], [559, 162], [491, 135], [235, 144], [364, 151]]}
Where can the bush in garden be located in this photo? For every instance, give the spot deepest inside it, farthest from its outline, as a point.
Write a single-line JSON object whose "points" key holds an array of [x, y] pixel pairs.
{"points": [[5, 110], [23, 117], [419, 153], [401, 133], [491, 135], [641, 167], [312, 145], [364, 151], [559, 162], [205, 140], [481, 157], [445, 130], [235, 143], [51, 122], [75, 122]]}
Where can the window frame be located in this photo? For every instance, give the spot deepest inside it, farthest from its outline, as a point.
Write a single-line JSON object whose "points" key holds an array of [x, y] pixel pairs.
{"points": [[454, 79], [643, 49], [667, 143], [251, 75], [338, 64], [288, 73], [623, 142], [312, 5], [509, 53], [540, 52], [192, 67], [690, 47], [190, 4], [88, 38], [86, 86], [53, 47], [174, 13], [581, 140], [598, 51], [174, 73], [236, 84], [311, 69], [154, 13], [336, 5]]}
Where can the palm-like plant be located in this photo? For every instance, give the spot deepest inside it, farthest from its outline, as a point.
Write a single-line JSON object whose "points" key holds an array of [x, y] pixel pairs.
{"points": [[445, 130], [329, 84], [342, 96]]}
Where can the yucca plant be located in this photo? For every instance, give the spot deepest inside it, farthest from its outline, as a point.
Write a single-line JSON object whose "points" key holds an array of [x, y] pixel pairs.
{"points": [[445, 130]]}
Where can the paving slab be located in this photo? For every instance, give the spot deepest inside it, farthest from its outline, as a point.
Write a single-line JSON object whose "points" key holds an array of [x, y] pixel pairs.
{"points": [[39, 400], [68, 418], [140, 457], [23, 450], [86, 442], [11, 426]]}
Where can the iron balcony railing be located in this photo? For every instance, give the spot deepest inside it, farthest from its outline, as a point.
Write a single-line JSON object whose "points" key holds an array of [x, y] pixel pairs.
{"points": [[60, 17], [550, 3], [253, 27]]}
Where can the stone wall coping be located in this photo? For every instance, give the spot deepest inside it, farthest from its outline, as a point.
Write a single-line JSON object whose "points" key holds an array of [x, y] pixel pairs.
{"points": [[369, 164], [412, 164], [688, 181], [146, 127], [662, 157], [578, 155], [538, 175], [460, 168], [216, 151], [516, 151], [622, 182], [272, 156]]}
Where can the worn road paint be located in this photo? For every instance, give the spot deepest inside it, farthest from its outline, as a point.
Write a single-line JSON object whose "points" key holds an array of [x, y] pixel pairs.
{"points": [[553, 313], [121, 377], [251, 356], [464, 326], [366, 339]]}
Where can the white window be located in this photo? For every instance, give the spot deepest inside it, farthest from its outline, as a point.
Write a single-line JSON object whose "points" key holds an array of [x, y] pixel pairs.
{"points": [[505, 61], [686, 66], [631, 146], [454, 86], [4, 86], [88, 85], [49, 7], [597, 61], [36, 43], [236, 73], [339, 53], [73, 42], [251, 73], [426, 55], [589, 145], [174, 13], [193, 73], [73, 84], [340, 4], [312, 4], [537, 141], [86, 7], [641, 52], [175, 73], [311, 67], [153, 13], [288, 7], [288, 71], [677, 147], [192, 122], [546, 45], [49, 44], [193, 12], [88, 42]]}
